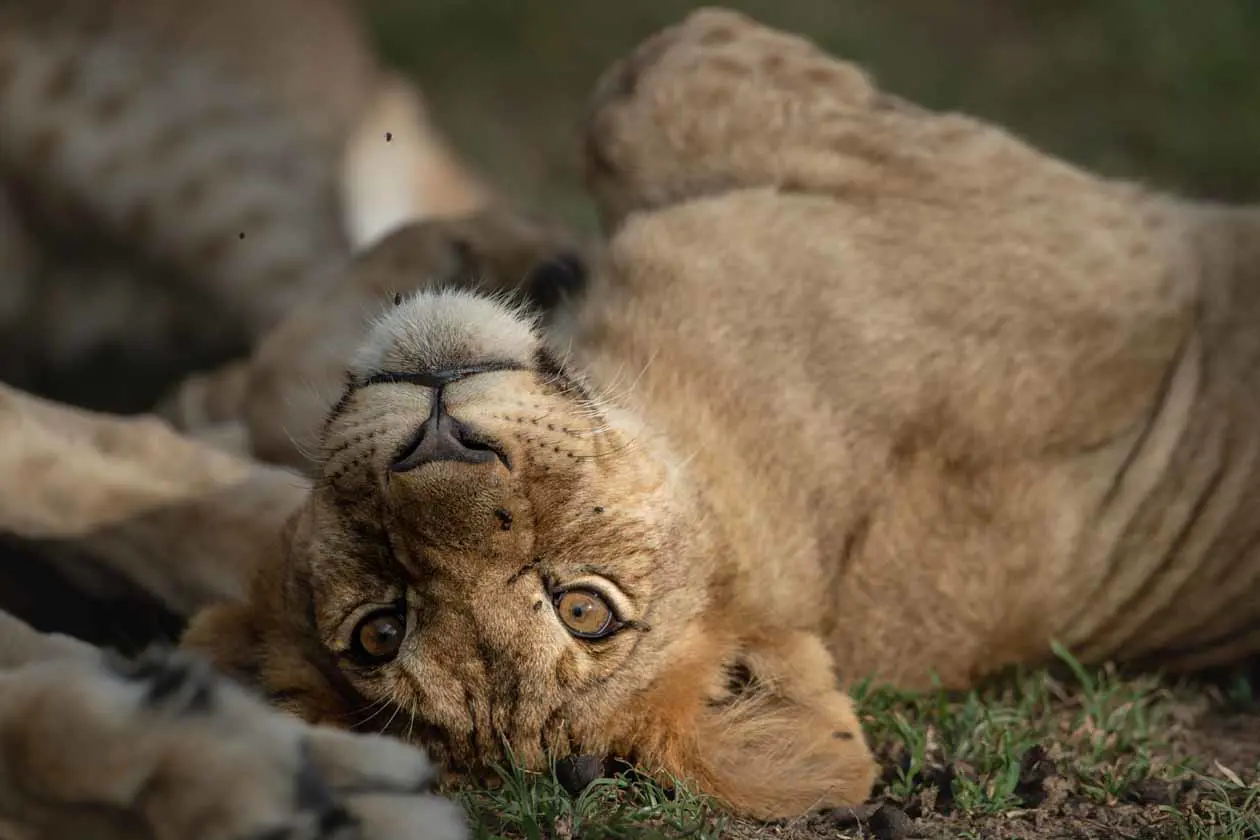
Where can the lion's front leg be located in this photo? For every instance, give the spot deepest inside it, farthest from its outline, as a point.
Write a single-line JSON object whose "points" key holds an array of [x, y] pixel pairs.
{"points": [[185, 521], [163, 748]]}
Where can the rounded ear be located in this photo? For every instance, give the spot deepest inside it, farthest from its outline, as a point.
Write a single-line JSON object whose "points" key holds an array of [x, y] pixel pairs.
{"points": [[268, 659], [232, 634], [263, 643], [769, 732], [227, 635]]}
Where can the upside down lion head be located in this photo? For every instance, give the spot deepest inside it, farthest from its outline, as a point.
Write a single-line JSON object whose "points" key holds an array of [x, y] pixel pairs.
{"points": [[493, 560]]}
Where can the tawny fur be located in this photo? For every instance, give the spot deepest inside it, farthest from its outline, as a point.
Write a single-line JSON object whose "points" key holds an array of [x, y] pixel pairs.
{"points": [[859, 391], [90, 747], [278, 397], [183, 173], [118, 488]]}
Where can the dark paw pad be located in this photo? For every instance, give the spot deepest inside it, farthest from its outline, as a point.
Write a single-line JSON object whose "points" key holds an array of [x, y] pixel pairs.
{"points": [[314, 796], [175, 682]]}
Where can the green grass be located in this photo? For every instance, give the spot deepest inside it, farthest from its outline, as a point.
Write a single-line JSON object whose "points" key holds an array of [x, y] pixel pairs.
{"points": [[1033, 738], [1110, 730], [1231, 810], [536, 806]]}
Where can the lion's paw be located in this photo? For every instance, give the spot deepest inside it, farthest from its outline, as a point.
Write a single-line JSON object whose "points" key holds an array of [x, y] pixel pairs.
{"points": [[720, 102], [164, 748]]}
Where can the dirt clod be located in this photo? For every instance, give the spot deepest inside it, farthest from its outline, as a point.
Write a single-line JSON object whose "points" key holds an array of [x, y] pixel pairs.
{"points": [[889, 823], [1036, 768], [1154, 792], [576, 772], [852, 816]]}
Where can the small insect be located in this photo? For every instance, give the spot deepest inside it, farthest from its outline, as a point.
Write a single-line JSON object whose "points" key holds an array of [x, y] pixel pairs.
{"points": [[397, 298], [389, 135], [241, 235]]}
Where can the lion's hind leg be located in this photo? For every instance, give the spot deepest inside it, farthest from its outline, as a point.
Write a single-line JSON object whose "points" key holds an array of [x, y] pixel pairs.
{"points": [[719, 102]]}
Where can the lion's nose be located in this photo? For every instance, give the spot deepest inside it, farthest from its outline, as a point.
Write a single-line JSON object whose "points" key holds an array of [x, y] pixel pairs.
{"points": [[443, 438]]}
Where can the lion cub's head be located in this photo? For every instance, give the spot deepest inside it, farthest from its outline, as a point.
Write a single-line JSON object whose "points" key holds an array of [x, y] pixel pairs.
{"points": [[494, 559]]}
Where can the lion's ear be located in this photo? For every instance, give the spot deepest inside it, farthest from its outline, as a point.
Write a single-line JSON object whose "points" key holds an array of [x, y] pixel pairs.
{"points": [[266, 657], [228, 636], [769, 732], [263, 643]]}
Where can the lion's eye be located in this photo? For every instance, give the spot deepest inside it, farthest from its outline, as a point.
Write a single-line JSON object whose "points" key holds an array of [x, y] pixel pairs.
{"points": [[585, 613], [378, 636]]}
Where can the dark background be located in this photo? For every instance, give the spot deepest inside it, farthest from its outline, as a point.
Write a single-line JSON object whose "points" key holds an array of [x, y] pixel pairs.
{"points": [[1167, 91]]}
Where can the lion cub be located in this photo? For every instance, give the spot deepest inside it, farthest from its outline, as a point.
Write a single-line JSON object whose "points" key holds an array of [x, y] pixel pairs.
{"points": [[857, 390]]}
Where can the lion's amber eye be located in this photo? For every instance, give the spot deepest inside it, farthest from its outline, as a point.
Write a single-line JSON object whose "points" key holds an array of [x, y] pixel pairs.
{"points": [[585, 613], [379, 635]]}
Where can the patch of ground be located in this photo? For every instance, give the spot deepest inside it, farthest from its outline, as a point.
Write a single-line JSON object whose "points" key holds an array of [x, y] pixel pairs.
{"points": [[1039, 755], [1034, 760], [1050, 799]]}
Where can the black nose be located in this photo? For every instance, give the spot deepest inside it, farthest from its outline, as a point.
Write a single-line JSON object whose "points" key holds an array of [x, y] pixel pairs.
{"points": [[443, 438]]}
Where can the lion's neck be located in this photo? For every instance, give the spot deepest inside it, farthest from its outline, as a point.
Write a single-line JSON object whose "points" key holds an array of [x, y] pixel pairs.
{"points": [[751, 520]]}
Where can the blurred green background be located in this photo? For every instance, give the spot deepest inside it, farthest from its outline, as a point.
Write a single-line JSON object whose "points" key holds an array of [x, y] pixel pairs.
{"points": [[1166, 91]]}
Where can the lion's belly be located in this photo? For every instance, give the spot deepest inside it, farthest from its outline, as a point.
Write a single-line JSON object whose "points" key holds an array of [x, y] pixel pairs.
{"points": [[1173, 568]]}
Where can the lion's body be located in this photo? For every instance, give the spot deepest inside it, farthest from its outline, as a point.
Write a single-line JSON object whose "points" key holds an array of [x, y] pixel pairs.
{"points": [[947, 451], [940, 466], [949, 397]]}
